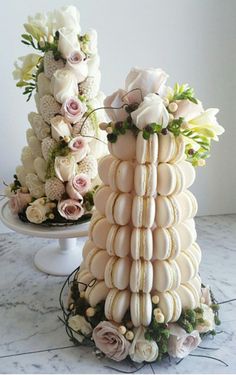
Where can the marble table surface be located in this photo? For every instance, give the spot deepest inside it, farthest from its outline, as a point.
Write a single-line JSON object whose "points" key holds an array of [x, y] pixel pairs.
{"points": [[33, 340]]}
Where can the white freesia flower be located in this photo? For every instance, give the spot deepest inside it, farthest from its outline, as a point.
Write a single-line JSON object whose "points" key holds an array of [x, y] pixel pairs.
{"points": [[60, 128], [68, 41], [67, 17], [64, 85], [65, 167], [37, 211], [206, 124], [151, 110], [141, 349], [209, 320], [38, 25], [24, 71], [147, 80]]}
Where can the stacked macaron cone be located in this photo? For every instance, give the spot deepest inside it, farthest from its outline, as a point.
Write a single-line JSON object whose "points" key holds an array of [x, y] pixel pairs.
{"points": [[142, 238]]}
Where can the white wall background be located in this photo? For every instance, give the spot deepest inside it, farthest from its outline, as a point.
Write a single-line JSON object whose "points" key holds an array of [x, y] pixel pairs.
{"points": [[194, 41]]}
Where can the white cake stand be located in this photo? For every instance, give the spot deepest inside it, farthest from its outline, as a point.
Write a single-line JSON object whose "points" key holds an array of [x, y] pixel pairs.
{"points": [[58, 259]]}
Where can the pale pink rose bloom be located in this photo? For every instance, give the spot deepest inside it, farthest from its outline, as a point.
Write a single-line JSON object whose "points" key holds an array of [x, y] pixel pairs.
{"points": [[70, 209], [181, 343], [147, 80], [188, 109], [19, 201], [73, 109], [77, 63], [79, 148], [206, 295], [108, 339], [78, 186], [116, 101]]}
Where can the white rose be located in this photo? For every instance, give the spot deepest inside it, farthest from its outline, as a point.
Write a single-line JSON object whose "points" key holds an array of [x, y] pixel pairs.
{"points": [[68, 17], [151, 110], [78, 65], [141, 349], [43, 85], [37, 211], [60, 128], [64, 85], [35, 185], [65, 167], [147, 80], [68, 41], [91, 46], [180, 342], [79, 323], [209, 320]]}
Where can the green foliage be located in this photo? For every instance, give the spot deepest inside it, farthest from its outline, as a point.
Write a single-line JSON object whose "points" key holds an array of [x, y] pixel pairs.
{"points": [[61, 149], [160, 333], [183, 92]]}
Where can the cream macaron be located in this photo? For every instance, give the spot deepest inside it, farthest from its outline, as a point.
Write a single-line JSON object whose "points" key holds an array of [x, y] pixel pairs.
{"points": [[100, 198], [98, 231], [166, 243], [125, 146], [168, 211], [117, 272], [145, 179], [196, 251], [88, 246], [141, 243], [189, 294], [116, 304], [84, 278], [171, 148], [118, 208], [143, 212], [187, 233], [96, 261], [103, 168], [118, 240], [170, 305], [96, 293], [188, 265], [121, 176], [146, 150], [141, 276], [166, 275], [141, 309]]}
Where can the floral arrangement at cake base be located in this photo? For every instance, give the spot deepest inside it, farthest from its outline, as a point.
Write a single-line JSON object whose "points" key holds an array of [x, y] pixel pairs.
{"points": [[58, 176], [138, 293]]}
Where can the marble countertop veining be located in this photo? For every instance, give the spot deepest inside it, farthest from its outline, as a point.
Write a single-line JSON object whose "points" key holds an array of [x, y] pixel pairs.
{"points": [[33, 340]]}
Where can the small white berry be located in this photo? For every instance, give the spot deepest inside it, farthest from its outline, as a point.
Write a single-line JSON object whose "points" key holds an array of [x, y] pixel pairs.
{"points": [[173, 107]]}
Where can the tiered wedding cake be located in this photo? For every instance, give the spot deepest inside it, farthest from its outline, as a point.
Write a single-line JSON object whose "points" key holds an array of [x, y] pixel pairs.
{"points": [[55, 181], [138, 291]]}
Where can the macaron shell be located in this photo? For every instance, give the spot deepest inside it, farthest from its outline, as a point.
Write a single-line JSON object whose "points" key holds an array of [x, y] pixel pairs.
{"points": [[162, 276], [186, 296], [96, 293], [121, 272], [122, 241], [135, 312], [110, 207], [112, 174], [147, 150], [90, 256], [143, 211], [175, 241], [145, 179], [195, 293], [103, 168], [186, 206], [177, 306], [100, 198], [122, 209], [111, 239], [187, 235], [98, 264], [121, 305], [100, 232], [164, 212], [141, 276], [196, 250], [167, 147], [166, 304], [89, 245], [196, 282], [110, 298], [108, 274], [186, 267], [189, 172], [180, 180], [146, 309], [141, 243], [166, 179], [125, 146], [125, 176], [179, 153], [193, 202], [84, 277], [161, 244]]}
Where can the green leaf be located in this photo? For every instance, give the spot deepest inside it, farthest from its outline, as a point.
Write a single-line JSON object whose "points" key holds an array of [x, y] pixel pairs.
{"points": [[146, 135]]}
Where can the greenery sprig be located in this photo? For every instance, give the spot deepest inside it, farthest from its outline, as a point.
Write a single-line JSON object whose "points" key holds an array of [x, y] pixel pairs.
{"points": [[183, 92]]}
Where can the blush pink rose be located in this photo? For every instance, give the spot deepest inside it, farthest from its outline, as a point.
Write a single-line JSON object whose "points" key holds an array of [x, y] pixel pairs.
{"points": [[19, 201], [73, 109], [70, 209], [79, 148], [78, 186], [77, 63], [180, 342], [108, 339]]}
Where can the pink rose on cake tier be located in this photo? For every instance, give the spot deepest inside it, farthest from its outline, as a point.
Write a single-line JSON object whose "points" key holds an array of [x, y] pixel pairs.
{"points": [[112, 343], [70, 209], [181, 343], [73, 109], [19, 201], [77, 64], [79, 148], [78, 186]]}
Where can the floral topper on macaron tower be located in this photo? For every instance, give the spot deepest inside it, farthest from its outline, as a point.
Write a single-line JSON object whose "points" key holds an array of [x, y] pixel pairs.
{"points": [[138, 292], [55, 182]]}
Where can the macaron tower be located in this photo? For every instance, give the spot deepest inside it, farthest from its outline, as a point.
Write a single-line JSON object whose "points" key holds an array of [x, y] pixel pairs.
{"points": [[141, 261]]}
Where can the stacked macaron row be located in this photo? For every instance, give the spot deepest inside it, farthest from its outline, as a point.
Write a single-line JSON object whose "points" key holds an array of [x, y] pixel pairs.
{"points": [[142, 238]]}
